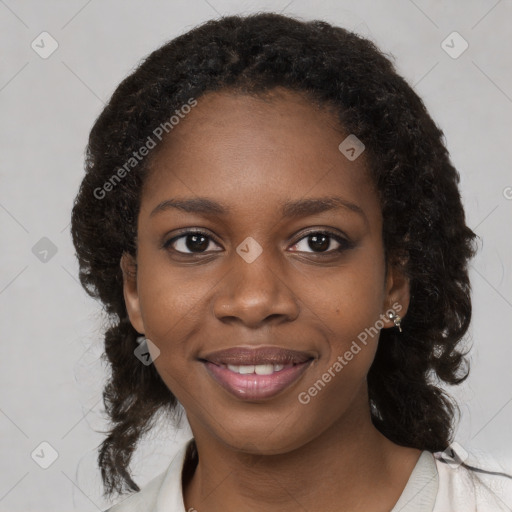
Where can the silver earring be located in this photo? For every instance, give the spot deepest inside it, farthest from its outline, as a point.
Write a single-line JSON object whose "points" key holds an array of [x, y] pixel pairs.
{"points": [[396, 319]]}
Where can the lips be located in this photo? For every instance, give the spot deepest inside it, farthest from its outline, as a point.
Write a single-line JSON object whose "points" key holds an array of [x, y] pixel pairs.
{"points": [[257, 356], [256, 374]]}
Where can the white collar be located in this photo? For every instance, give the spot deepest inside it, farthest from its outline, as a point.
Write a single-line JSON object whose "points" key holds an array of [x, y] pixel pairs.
{"points": [[420, 492], [170, 496]]}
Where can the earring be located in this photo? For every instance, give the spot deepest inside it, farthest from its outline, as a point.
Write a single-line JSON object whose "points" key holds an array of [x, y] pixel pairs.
{"points": [[396, 319]]}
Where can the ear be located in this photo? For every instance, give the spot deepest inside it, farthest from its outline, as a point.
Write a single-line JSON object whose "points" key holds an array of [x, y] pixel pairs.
{"points": [[397, 296], [131, 295]]}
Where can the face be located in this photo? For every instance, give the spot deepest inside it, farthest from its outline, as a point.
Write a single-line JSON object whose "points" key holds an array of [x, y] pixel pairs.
{"points": [[263, 261]]}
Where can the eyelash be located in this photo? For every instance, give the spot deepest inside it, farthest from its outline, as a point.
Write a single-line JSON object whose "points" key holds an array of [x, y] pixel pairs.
{"points": [[344, 243]]}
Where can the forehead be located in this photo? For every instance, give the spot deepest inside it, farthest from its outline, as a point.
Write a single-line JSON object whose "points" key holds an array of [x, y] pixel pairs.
{"points": [[240, 149], [277, 121]]}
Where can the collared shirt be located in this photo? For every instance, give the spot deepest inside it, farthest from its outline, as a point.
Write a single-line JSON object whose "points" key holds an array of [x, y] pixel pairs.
{"points": [[433, 486]]}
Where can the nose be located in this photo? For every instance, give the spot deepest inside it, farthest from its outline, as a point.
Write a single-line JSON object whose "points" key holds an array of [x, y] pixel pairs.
{"points": [[255, 294]]}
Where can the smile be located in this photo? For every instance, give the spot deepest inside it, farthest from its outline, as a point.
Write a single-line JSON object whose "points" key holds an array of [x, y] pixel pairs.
{"points": [[256, 382]]}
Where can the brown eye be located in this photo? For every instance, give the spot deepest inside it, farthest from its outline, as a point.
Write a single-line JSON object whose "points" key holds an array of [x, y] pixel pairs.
{"points": [[321, 242], [190, 242]]}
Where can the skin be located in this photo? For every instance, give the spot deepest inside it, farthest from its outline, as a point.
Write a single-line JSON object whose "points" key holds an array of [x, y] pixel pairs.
{"points": [[273, 454]]}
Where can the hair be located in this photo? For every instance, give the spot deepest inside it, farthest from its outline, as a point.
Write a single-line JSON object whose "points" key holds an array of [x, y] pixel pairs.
{"points": [[424, 229]]}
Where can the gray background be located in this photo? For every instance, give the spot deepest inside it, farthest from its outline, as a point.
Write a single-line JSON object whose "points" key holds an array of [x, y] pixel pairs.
{"points": [[51, 376]]}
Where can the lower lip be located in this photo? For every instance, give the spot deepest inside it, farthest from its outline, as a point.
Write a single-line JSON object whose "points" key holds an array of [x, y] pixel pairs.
{"points": [[253, 386]]}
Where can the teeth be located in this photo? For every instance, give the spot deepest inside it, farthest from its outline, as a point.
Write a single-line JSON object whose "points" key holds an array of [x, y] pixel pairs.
{"points": [[264, 369], [259, 369], [246, 369]]}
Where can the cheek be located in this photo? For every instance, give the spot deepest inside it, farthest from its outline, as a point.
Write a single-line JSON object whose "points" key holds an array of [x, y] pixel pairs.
{"points": [[350, 305], [174, 312], [352, 325], [349, 299], [170, 298]]}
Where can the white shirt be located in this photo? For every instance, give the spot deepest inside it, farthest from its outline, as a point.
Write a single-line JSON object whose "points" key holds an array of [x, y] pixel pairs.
{"points": [[434, 486]]}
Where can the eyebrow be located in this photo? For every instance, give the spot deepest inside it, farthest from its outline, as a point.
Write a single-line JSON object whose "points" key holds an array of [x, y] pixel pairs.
{"points": [[289, 209]]}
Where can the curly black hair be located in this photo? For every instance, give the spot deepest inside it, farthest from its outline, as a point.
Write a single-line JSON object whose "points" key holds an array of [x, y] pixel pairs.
{"points": [[424, 228]]}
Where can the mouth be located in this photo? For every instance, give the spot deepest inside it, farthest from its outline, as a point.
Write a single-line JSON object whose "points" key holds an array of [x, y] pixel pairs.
{"points": [[256, 374]]}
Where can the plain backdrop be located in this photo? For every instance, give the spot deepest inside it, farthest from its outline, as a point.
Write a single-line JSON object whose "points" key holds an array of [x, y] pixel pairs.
{"points": [[51, 377]]}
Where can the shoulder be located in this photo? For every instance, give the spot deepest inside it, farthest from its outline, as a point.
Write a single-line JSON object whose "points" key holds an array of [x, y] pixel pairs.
{"points": [[472, 486], [164, 488]]}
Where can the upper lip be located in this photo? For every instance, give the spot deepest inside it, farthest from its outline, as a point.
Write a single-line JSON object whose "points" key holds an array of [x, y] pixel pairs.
{"points": [[259, 355]]}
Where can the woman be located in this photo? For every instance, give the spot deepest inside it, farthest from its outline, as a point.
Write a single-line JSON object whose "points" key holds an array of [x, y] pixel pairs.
{"points": [[269, 207]]}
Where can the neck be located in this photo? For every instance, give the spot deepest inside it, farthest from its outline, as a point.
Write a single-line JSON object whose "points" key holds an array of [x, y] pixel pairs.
{"points": [[337, 467]]}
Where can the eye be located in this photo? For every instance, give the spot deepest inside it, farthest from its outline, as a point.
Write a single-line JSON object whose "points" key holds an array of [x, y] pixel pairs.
{"points": [[321, 241], [196, 242]]}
